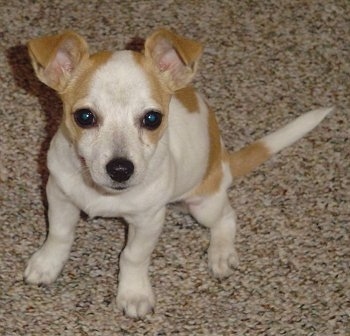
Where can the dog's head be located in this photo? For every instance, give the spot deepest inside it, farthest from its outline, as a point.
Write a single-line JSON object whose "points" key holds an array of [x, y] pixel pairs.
{"points": [[116, 105]]}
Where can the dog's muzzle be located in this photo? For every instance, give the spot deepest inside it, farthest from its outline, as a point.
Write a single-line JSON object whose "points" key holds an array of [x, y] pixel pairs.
{"points": [[120, 169]]}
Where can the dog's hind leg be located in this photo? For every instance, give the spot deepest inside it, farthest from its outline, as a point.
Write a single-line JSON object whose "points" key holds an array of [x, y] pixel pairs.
{"points": [[215, 212]]}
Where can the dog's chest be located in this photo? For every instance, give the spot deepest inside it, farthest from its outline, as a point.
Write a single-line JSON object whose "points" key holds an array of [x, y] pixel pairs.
{"points": [[96, 203]]}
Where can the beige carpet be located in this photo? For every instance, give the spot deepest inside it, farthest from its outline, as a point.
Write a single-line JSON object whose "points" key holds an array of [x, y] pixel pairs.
{"points": [[265, 62]]}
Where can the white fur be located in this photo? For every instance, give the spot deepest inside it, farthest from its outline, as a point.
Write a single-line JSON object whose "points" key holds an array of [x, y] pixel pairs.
{"points": [[116, 103], [290, 133], [166, 171], [162, 173]]}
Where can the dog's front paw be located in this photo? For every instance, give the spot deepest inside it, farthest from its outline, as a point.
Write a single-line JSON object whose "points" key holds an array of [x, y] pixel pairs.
{"points": [[135, 303], [43, 268], [221, 260]]}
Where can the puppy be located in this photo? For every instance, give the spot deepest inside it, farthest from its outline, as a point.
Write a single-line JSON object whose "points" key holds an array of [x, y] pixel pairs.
{"points": [[136, 136]]}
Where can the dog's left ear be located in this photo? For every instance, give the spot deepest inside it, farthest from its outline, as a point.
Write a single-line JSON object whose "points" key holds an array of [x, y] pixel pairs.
{"points": [[175, 58]]}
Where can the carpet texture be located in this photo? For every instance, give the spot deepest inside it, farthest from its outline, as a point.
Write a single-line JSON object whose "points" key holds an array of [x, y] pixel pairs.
{"points": [[264, 63]]}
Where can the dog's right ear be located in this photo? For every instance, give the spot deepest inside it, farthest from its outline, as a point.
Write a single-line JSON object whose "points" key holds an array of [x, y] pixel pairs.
{"points": [[56, 58]]}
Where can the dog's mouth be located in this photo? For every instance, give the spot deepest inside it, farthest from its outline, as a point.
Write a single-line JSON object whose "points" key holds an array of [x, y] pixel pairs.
{"points": [[111, 189], [118, 188]]}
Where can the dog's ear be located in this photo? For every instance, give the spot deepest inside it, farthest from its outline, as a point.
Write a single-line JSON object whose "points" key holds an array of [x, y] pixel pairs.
{"points": [[56, 58], [175, 58]]}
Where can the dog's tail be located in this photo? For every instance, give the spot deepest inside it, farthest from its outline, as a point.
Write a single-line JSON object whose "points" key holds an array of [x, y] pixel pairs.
{"points": [[248, 158]]}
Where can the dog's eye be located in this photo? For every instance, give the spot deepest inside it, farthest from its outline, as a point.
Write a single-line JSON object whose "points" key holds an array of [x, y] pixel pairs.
{"points": [[152, 120], [85, 118]]}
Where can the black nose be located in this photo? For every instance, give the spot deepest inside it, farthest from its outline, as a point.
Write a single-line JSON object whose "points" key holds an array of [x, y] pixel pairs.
{"points": [[120, 169]]}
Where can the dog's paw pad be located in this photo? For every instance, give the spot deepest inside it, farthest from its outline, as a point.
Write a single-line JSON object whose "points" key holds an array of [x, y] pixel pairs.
{"points": [[135, 306], [42, 269], [221, 261]]}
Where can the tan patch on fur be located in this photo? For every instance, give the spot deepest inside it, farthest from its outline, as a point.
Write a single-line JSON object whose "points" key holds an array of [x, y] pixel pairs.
{"points": [[187, 97], [213, 176], [189, 51], [78, 89], [159, 94], [43, 52], [248, 158]]}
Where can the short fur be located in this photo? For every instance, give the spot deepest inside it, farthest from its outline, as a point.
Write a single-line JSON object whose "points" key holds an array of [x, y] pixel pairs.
{"points": [[119, 166]]}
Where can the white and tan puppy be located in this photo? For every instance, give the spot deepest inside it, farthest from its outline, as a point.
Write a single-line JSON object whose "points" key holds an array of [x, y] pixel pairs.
{"points": [[136, 136]]}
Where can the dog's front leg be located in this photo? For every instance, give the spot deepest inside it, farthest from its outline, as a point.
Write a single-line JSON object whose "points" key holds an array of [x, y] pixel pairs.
{"points": [[45, 265], [135, 296]]}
